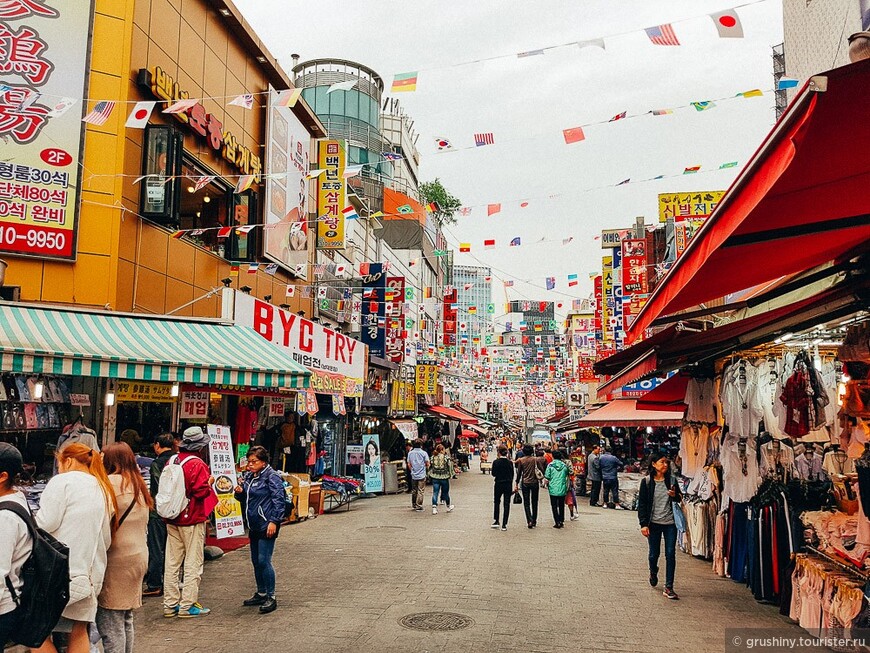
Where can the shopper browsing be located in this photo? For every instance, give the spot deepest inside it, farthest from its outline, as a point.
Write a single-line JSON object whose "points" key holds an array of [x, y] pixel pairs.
{"points": [[185, 533], [610, 467], [418, 461], [557, 485], [593, 467], [128, 554], [530, 471], [78, 507], [15, 541], [503, 474], [263, 498], [164, 447], [656, 515], [441, 471]]}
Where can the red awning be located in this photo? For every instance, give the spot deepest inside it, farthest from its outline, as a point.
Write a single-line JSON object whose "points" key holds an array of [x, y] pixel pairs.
{"points": [[624, 412], [644, 366], [670, 395], [801, 201], [450, 413]]}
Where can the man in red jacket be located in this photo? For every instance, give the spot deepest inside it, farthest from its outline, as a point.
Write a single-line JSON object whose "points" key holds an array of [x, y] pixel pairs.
{"points": [[185, 535]]}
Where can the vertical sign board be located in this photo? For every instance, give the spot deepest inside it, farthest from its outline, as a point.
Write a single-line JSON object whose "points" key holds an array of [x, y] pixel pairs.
{"points": [[688, 206], [287, 150], [394, 343], [331, 157], [450, 315], [227, 512], [44, 61], [372, 456], [607, 297], [373, 331]]}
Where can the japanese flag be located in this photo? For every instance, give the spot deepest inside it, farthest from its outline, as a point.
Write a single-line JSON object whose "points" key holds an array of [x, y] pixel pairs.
{"points": [[291, 291], [140, 114]]}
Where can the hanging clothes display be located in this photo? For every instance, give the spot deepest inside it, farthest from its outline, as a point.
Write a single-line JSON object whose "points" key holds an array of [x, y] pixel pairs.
{"points": [[700, 401], [694, 445], [808, 464], [767, 384], [738, 396], [740, 468], [777, 459], [771, 541]]}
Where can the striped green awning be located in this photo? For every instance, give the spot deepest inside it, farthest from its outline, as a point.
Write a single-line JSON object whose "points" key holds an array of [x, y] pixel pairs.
{"points": [[63, 341]]}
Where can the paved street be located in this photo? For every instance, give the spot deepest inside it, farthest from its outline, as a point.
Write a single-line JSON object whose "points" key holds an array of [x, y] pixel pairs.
{"points": [[345, 580]]}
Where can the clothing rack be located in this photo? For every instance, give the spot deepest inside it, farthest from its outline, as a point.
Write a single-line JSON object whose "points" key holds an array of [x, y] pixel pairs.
{"points": [[839, 563]]}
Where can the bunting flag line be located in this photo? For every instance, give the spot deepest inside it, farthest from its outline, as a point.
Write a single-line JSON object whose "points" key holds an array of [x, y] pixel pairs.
{"points": [[202, 182], [572, 280], [703, 106], [224, 232], [730, 164], [618, 116], [515, 242], [245, 229], [253, 268], [692, 170], [662, 34], [489, 244], [405, 209], [573, 135], [61, 107], [100, 113], [508, 283], [138, 118], [464, 247], [484, 139], [756, 92], [392, 156], [623, 182], [492, 209], [432, 207], [442, 144], [591, 43], [662, 112], [245, 182], [342, 86], [271, 269], [567, 240], [352, 171], [465, 210], [246, 101], [551, 282], [234, 270], [786, 82], [314, 174], [177, 234], [404, 83], [728, 24], [530, 53], [181, 106], [288, 98]]}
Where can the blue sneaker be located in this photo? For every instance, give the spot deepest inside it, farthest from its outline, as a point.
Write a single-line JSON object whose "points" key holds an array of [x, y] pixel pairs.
{"points": [[196, 610]]}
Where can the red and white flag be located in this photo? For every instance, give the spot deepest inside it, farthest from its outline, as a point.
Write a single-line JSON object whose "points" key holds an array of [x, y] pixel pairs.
{"points": [[728, 24], [138, 118], [181, 106]]}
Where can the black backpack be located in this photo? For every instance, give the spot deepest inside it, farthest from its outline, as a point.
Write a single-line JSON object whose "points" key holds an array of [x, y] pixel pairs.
{"points": [[45, 591]]}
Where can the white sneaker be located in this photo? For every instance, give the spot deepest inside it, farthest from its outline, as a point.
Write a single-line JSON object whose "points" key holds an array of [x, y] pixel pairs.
{"points": [[450, 508], [434, 510], [494, 524], [618, 507], [573, 517]]}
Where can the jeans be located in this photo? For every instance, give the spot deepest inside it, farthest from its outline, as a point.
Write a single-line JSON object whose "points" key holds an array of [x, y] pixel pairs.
{"points": [[530, 501], [418, 488], [581, 486], [557, 503], [156, 551], [440, 486], [504, 493], [116, 630], [611, 491], [595, 493], [261, 556], [656, 531], [184, 548]]}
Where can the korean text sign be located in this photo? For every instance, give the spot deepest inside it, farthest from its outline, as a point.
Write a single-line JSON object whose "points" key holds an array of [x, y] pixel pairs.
{"points": [[372, 452], [683, 206], [228, 512], [44, 60], [330, 194], [634, 270]]}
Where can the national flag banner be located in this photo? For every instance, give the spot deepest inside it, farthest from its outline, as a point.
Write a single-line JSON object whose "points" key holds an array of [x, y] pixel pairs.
{"points": [[591, 43], [288, 98], [224, 232], [487, 279], [472, 310], [61, 106], [661, 112], [730, 164], [443, 144], [271, 269], [319, 270], [370, 293], [492, 209], [786, 82], [340, 269], [392, 156], [140, 114], [246, 101], [350, 213], [291, 291], [618, 116], [692, 170], [245, 229], [181, 106], [468, 286], [662, 34], [178, 234], [624, 182], [703, 106], [432, 207], [413, 262], [244, 183], [202, 182], [465, 211], [508, 283], [234, 270], [530, 53], [405, 209], [567, 240], [352, 171], [314, 174], [253, 268], [572, 280], [342, 86], [464, 247], [515, 242], [100, 113], [573, 135], [364, 268], [489, 244], [756, 92], [551, 283], [728, 24], [306, 291], [321, 292], [486, 138], [404, 83], [490, 308], [439, 252]]}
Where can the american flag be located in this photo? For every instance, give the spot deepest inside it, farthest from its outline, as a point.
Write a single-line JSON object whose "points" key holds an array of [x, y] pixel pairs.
{"points": [[100, 113], [484, 139], [662, 34]]}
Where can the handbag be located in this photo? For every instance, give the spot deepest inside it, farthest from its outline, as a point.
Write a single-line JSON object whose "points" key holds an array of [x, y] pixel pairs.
{"points": [[518, 498], [538, 473]]}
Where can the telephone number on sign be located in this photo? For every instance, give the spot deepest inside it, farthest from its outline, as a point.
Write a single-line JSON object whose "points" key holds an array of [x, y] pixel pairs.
{"points": [[25, 239]]}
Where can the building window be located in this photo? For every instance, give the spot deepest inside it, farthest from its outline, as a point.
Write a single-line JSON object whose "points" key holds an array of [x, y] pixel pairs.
{"points": [[161, 164]]}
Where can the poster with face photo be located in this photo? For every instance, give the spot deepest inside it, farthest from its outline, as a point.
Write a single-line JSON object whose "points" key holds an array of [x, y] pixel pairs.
{"points": [[372, 457], [355, 454]]}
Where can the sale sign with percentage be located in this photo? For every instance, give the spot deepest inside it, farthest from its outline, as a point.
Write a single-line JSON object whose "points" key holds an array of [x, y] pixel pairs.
{"points": [[228, 512]]}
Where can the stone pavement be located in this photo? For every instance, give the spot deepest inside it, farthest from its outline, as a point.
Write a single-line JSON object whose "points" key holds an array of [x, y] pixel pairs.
{"points": [[346, 578]]}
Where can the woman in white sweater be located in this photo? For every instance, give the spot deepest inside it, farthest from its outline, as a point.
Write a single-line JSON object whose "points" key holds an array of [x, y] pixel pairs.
{"points": [[78, 507]]}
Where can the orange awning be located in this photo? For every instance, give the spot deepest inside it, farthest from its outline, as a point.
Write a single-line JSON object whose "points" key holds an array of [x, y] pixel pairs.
{"points": [[624, 412], [450, 413]]}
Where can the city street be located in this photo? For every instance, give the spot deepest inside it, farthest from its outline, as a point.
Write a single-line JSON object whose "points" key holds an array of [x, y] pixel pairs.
{"points": [[346, 579]]}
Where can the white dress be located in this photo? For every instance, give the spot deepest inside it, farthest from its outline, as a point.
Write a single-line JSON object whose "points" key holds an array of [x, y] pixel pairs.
{"points": [[739, 398], [73, 509]]}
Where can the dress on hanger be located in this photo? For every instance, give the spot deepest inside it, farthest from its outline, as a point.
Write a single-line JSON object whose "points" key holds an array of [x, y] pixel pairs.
{"points": [[700, 401], [739, 399]]}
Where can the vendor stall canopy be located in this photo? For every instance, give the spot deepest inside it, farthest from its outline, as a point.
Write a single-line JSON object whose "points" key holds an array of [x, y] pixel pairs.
{"points": [[624, 412], [801, 201], [35, 339]]}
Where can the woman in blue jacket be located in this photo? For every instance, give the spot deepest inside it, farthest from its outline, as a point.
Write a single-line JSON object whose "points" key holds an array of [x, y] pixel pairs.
{"points": [[263, 499]]}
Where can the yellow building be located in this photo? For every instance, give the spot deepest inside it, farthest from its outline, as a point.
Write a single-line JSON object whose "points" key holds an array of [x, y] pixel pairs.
{"points": [[125, 257]]}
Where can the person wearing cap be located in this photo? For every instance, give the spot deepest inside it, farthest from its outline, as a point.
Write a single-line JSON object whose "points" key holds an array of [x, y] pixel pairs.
{"points": [[185, 535], [15, 541]]}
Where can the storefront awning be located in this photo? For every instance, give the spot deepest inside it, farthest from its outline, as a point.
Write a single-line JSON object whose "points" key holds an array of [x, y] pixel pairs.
{"points": [[450, 413], [800, 202], [670, 395], [638, 369], [79, 343], [624, 412]]}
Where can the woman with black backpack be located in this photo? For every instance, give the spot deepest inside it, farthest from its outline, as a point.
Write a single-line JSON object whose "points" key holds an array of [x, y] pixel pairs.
{"points": [[15, 541], [264, 500]]}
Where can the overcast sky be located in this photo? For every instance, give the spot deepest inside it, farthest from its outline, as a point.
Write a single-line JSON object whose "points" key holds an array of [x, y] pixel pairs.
{"points": [[527, 102]]}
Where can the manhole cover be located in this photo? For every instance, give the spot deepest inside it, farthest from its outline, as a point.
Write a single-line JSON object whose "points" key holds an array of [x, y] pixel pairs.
{"points": [[384, 528], [442, 621]]}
